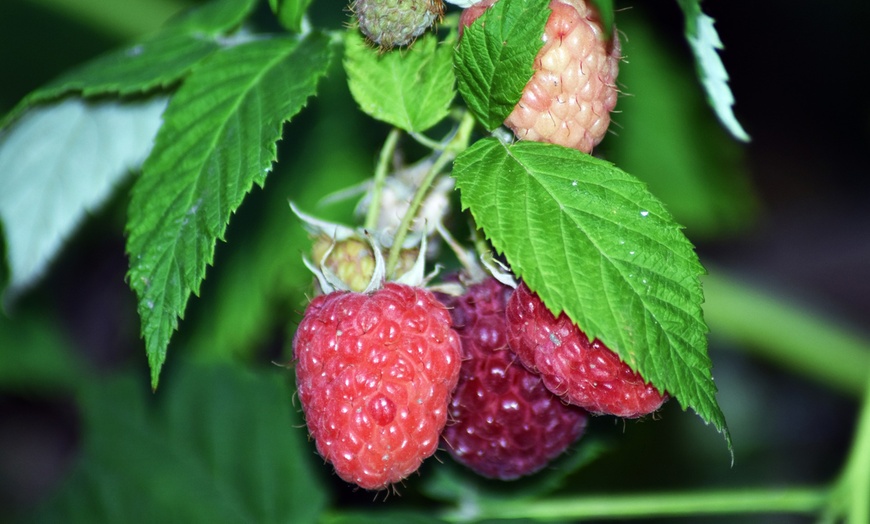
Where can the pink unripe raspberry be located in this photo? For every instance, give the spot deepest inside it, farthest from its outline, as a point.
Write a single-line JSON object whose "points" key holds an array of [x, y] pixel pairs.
{"points": [[583, 372], [569, 99]]}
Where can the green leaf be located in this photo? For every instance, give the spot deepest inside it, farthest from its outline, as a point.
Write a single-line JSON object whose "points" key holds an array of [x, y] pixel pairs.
{"points": [[154, 63], [593, 242], [57, 164], [495, 56], [290, 13], [222, 446], [217, 140], [408, 88], [669, 138], [705, 42]]}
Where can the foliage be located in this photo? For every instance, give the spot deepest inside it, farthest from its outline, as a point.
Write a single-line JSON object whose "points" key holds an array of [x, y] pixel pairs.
{"points": [[189, 118]]}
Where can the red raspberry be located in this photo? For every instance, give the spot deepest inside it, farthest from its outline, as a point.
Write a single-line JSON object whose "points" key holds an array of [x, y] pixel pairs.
{"points": [[504, 422], [374, 376], [586, 374], [569, 99]]}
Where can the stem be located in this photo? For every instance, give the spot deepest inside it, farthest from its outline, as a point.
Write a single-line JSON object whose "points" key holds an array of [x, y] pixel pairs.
{"points": [[457, 144], [380, 176], [853, 488], [799, 339], [726, 502]]}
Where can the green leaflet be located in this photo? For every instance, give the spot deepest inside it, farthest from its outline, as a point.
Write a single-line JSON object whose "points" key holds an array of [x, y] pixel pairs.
{"points": [[410, 88], [217, 140], [593, 242], [705, 42], [495, 56]]}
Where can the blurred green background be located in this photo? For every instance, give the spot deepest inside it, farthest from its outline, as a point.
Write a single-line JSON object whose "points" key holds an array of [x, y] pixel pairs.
{"points": [[82, 439]]}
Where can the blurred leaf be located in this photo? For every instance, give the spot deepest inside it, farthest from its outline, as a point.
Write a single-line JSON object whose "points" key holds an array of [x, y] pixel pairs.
{"points": [[34, 355], [409, 88], [214, 17], [290, 13], [605, 10], [594, 243], [452, 482], [59, 163], [495, 56], [217, 140], [705, 43], [668, 138], [224, 445]]}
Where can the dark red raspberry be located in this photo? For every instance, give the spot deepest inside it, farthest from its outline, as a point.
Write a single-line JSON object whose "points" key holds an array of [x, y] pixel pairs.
{"points": [[503, 422], [374, 375], [584, 373]]}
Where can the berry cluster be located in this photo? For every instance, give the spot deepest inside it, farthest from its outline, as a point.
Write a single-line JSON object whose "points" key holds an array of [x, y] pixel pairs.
{"points": [[386, 371], [503, 382]]}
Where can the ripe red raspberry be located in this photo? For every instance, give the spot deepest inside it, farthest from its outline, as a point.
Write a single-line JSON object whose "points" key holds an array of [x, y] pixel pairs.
{"points": [[584, 373], [569, 99], [374, 375], [503, 422]]}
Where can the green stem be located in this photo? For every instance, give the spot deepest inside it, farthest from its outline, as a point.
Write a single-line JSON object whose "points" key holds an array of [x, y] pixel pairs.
{"points": [[456, 145], [798, 339], [381, 171], [852, 496], [123, 20], [694, 504]]}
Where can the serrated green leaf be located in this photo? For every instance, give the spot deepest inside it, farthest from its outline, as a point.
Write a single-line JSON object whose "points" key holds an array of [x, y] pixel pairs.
{"points": [[705, 44], [495, 56], [218, 139], [669, 139], [57, 164], [222, 446], [593, 242], [290, 13], [409, 88]]}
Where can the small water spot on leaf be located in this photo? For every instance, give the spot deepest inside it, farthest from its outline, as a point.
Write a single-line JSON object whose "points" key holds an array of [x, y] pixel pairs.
{"points": [[135, 50], [574, 183], [644, 213]]}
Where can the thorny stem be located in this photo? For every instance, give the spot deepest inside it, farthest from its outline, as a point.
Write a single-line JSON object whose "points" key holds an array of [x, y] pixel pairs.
{"points": [[380, 176], [456, 145]]}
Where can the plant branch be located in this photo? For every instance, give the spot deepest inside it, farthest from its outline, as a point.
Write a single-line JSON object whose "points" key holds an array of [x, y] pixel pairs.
{"points": [[793, 337], [724, 502], [381, 171], [457, 144]]}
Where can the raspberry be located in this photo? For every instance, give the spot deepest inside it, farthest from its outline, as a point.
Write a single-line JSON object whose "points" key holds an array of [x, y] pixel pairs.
{"points": [[569, 98], [504, 422], [584, 373], [391, 23], [374, 375]]}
